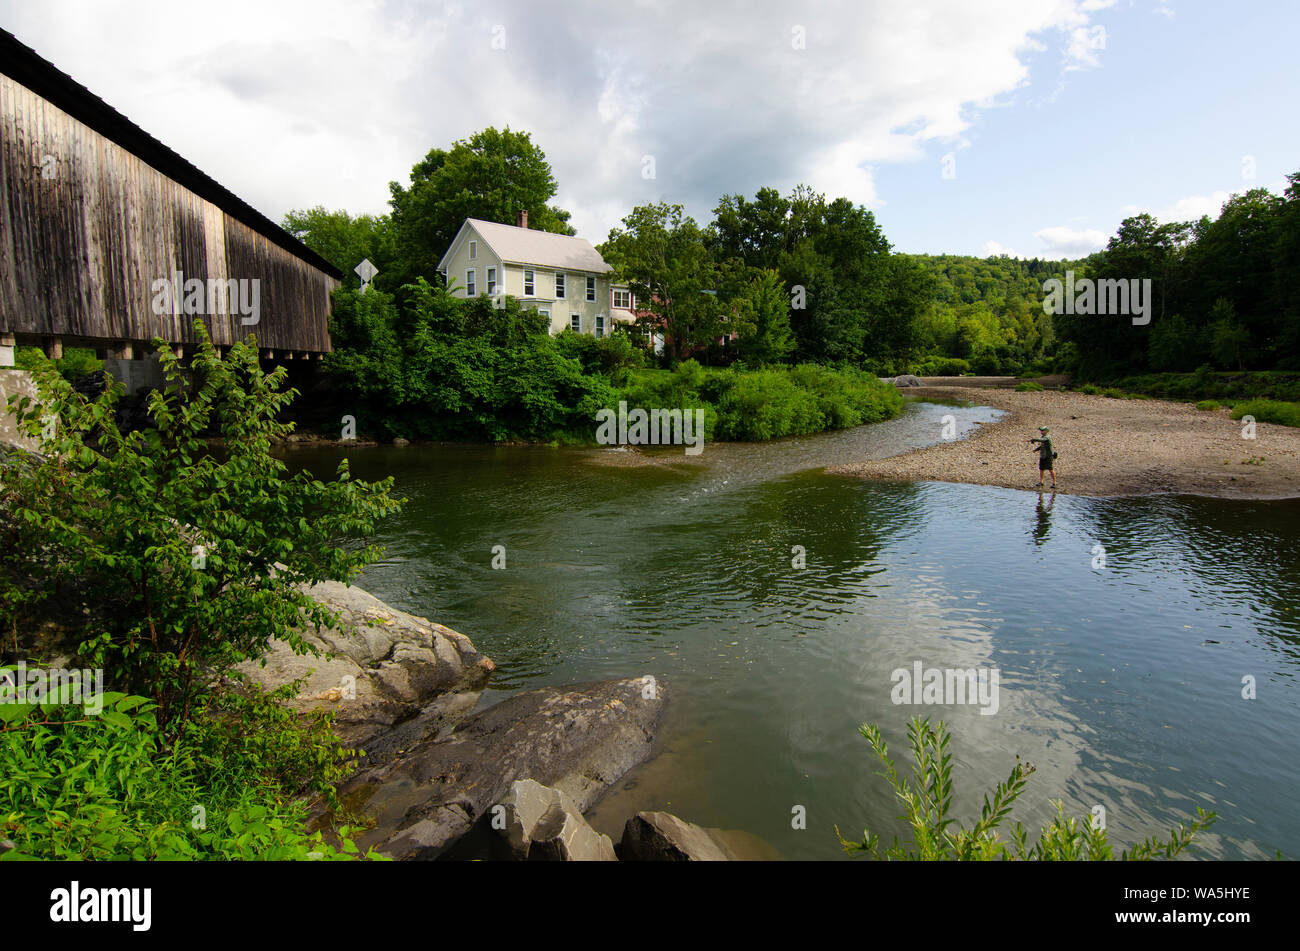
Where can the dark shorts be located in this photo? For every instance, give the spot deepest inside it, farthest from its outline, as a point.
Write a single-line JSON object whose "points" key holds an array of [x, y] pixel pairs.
{"points": [[1044, 465]]}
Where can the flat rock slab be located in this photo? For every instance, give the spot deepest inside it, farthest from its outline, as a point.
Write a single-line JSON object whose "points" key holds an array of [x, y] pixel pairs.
{"points": [[534, 823], [663, 837], [577, 739], [378, 666]]}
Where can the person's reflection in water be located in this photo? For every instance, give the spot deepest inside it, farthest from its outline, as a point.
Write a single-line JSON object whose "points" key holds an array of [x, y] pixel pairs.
{"points": [[1044, 518]]}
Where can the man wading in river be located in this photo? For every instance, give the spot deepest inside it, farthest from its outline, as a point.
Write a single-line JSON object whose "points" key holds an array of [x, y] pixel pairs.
{"points": [[1046, 456]]}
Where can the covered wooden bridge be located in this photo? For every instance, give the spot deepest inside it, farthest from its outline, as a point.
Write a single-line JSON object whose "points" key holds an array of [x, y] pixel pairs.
{"points": [[108, 238]]}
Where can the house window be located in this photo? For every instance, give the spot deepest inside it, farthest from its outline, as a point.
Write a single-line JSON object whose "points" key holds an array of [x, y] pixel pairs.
{"points": [[623, 299], [591, 288], [471, 289], [547, 314], [491, 280], [575, 322], [529, 290], [559, 287], [600, 325], [473, 250]]}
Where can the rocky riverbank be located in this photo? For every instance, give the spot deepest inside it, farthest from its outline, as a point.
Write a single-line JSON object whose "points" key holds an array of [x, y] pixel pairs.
{"points": [[1107, 447], [518, 775]]}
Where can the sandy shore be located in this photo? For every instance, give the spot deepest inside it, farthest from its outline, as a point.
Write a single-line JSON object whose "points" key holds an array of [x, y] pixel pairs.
{"points": [[1107, 447]]}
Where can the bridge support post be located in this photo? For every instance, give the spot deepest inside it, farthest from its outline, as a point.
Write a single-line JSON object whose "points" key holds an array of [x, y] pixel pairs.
{"points": [[7, 350]]}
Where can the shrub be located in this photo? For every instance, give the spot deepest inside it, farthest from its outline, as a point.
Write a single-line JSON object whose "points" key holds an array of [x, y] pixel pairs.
{"points": [[194, 561], [1029, 387], [943, 366], [1114, 393], [103, 787], [1268, 411], [1207, 405], [765, 404], [1090, 389], [927, 801]]}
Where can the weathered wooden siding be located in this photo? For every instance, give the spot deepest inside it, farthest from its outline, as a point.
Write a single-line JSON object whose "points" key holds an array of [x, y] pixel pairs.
{"points": [[80, 250]]}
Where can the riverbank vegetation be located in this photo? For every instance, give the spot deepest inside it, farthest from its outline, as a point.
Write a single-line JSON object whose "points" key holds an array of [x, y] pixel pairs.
{"points": [[429, 365], [787, 280], [187, 562], [926, 798]]}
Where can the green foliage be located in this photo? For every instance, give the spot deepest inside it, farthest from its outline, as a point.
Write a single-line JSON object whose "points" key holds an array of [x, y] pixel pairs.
{"points": [[194, 560], [1268, 411], [103, 787], [760, 314], [75, 363], [1228, 338], [987, 311], [440, 367], [1029, 386], [1223, 386], [926, 797], [755, 405], [492, 175], [1222, 290], [1208, 405], [765, 404], [942, 366], [612, 355], [661, 253], [346, 241], [859, 302]]}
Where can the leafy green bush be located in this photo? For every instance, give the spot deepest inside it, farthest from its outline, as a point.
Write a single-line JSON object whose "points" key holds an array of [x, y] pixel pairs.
{"points": [[1029, 386], [927, 800], [943, 366], [765, 404], [75, 363], [1268, 411], [1114, 393], [194, 561], [103, 787], [1090, 389], [1208, 405], [441, 367]]}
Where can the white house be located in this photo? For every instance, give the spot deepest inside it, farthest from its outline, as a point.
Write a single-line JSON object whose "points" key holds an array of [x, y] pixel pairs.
{"points": [[563, 277]]}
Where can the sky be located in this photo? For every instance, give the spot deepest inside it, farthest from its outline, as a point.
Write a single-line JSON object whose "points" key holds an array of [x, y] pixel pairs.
{"points": [[1024, 127]]}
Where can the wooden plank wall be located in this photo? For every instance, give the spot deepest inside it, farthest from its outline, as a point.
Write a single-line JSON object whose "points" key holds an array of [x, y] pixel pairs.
{"points": [[80, 250]]}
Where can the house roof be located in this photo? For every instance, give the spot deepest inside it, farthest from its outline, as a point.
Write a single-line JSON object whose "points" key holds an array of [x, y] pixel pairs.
{"points": [[527, 246], [26, 67]]}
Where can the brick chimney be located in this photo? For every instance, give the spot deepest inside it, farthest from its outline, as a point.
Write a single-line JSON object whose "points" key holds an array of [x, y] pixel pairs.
{"points": [[521, 220]]}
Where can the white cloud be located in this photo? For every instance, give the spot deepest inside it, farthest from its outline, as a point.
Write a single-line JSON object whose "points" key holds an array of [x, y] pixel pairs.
{"points": [[993, 249], [1065, 242], [1085, 47], [1193, 207], [305, 102]]}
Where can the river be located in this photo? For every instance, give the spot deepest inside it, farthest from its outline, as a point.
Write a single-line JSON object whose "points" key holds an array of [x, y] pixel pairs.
{"points": [[1123, 685]]}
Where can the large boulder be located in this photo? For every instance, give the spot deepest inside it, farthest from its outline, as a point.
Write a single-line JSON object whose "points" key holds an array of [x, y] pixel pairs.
{"points": [[534, 823], [578, 739], [907, 379], [662, 837], [378, 665]]}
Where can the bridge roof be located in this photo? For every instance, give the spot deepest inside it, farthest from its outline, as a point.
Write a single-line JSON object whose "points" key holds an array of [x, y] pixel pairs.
{"points": [[24, 65]]}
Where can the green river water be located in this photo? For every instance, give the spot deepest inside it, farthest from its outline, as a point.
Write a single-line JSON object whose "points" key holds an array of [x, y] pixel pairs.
{"points": [[1123, 686]]}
